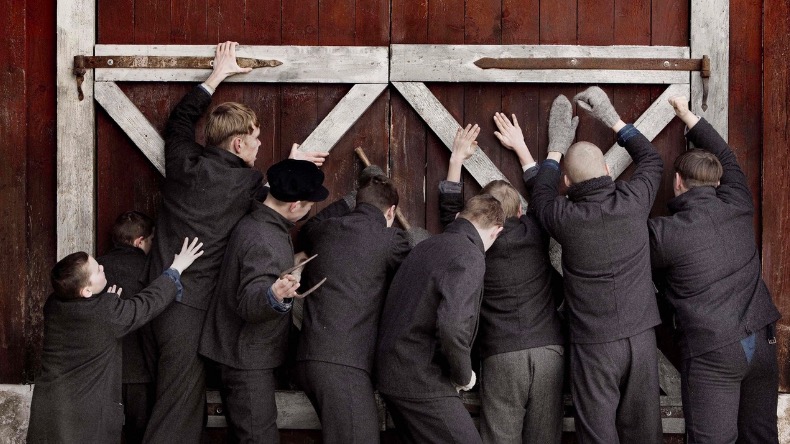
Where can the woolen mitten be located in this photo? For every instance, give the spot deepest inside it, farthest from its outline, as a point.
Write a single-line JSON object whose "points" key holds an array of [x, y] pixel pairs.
{"points": [[562, 125], [597, 103]]}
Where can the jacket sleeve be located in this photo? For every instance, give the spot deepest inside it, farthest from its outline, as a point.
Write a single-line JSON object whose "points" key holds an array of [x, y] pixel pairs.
{"points": [[657, 260], [646, 179], [126, 315], [733, 187], [456, 316], [306, 238], [544, 203], [528, 176], [399, 249], [451, 201], [180, 130], [257, 272]]}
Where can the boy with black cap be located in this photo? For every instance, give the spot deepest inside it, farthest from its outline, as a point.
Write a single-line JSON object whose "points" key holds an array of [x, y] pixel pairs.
{"points": [[723, 309], [246, 328]]}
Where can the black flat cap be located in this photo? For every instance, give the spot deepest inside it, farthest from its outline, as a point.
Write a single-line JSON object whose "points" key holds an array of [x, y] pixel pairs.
{"points": [[293, 180]]}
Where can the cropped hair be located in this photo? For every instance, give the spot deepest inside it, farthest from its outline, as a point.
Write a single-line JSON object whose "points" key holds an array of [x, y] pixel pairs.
{"points": [[131, 225], [698, 168], [378, 191], [70, 275], [228, 120], [506, 194], [483, 210]]}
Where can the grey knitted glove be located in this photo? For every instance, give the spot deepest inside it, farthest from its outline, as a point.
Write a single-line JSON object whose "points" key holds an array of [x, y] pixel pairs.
{"points": [[562, 126], [596, 102], [368, 172]]}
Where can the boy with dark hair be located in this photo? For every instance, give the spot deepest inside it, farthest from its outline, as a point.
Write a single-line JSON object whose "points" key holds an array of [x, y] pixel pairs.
{"points": [[206, 192], [124, 266], [359, 252], [428, 324], [520, 340], [246, 329], [77, 396], [602, 227], [723, 309]]}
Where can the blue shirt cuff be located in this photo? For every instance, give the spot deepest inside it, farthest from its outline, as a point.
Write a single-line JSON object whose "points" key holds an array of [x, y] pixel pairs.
{"points": [[550, 163], [281, 307], [173, 274], [626, 133]]}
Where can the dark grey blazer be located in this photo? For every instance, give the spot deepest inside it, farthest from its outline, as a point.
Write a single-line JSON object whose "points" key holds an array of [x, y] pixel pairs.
{"points": [[707, 251], [77, 396], [518, 310], [602, 227], [430, 316], [124, 266], [242, 330], [206, 192], [359, 255]]}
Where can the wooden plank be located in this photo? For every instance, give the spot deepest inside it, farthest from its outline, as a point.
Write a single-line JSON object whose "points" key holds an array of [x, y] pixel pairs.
{"points": [[595, 22], [669, 376], [775, 196], [445, 126], [342, 117], [558, 22], [455, 63], [520, 22], [75, 131], [409, 21], [41, 181], [133, 122], [710, 35], [13, 180], [301, 64], [650, 123]]}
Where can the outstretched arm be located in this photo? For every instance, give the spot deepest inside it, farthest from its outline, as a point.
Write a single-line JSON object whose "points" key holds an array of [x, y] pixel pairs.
{"points": [[224, 65], [511, 137]]}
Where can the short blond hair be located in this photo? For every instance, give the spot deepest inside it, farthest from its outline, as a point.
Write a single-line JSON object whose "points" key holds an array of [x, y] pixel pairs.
{"points": [[484, 211], [506, 194], [228, 120]]}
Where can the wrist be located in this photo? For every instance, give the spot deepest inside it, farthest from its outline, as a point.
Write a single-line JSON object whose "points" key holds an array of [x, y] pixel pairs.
{"points": [[456, 160]]}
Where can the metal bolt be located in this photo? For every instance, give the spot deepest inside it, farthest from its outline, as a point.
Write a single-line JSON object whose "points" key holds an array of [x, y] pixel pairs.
{"points": [[574, 62], [110, 62], [666, 63]]}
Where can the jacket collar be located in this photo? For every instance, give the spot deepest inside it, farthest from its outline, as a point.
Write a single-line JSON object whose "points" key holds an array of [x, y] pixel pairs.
{"points": [[370, 211], [224, 156], [590, 188], [465, 228], [690, 198], [125, 248], [262, 213]]}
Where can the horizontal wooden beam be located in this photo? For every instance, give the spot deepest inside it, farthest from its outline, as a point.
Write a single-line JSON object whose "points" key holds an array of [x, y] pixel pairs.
{"points": [[301, 64], [132, 122], [455, 63]]}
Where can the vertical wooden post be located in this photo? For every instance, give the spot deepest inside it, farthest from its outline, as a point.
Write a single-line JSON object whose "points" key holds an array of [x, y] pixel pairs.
{"points": [[710, 35], [76, 157]]}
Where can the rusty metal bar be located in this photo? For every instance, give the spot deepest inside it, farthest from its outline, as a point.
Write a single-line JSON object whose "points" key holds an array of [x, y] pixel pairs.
{"points": [[82, 63], [630, 64]]}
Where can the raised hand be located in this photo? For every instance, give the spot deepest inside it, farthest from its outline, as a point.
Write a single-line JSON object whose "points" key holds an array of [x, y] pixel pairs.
{"points": [[509, 134], [562, 125], [187, 255], [681, 106], [225, 64], [464, 144], [595, 101], [115, 289], [316, 157], [285, 287]]}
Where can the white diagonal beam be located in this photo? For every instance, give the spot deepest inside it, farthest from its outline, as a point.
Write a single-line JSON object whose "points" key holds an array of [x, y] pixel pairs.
{"points": [[342, 117], [144, 135], [132, 122]]}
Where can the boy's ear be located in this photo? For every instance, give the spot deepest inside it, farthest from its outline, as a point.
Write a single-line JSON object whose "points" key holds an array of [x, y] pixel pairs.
{"points": [[567, 180], [137, 243], [86, 292]]}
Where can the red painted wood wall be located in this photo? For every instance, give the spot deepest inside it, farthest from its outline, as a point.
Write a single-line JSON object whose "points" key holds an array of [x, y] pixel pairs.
{"points": [[390, 131]]}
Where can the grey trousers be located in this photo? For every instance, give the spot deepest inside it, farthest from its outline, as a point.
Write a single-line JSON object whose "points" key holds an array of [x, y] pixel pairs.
{"points": [[432, 420], [344, 400], [180, 407], [248, 396], [521, 396], [729, 398], [615, 391]]}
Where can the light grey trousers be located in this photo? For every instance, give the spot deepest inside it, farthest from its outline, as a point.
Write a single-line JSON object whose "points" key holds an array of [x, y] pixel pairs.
{"points": [[521, 396]]}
